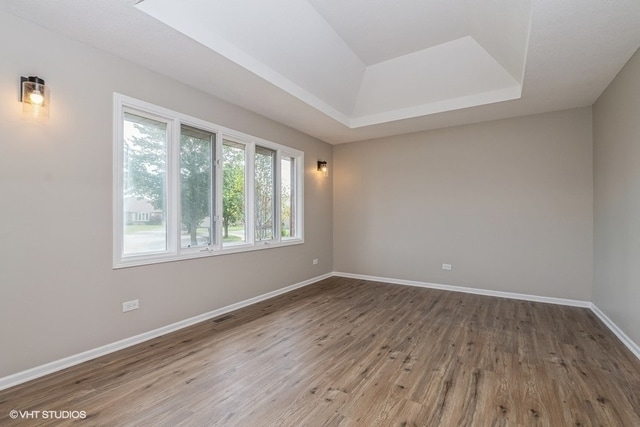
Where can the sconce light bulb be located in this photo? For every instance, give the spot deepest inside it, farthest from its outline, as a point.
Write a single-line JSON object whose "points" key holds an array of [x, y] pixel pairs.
{"points": [[322, 167], [36, 97]]}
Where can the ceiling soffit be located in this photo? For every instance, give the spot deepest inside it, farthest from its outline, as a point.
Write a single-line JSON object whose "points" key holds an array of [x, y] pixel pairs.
{"points": [[367, 62]]}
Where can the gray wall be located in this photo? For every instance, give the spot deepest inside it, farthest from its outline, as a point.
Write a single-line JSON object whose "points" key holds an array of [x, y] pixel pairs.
{"points": [[507, 203], [616, 137], [58, 293]]}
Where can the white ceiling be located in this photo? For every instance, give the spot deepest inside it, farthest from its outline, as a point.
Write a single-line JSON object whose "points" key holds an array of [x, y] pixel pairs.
{"points": [[346, 70], [406, 58], [379, 30]]}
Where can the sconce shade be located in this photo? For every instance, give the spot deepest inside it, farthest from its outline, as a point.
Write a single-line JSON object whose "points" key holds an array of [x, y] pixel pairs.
{"points": [[34, 95], [322, 167]]}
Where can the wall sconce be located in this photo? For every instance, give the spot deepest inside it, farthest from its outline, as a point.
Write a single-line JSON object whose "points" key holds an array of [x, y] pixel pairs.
{"points": [[322, 167], [34, 95]]}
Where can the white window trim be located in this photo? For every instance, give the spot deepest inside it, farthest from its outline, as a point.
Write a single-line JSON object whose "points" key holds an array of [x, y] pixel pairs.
{"points": [[174, 252]]}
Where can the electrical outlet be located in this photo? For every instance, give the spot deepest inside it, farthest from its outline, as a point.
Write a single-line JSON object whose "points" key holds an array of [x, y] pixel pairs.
{"points": [[446, 266], [315, 261], [134, 304]]}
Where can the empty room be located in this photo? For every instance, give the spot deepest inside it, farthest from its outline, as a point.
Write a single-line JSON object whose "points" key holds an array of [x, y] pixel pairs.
{"points": [[320, 213]]}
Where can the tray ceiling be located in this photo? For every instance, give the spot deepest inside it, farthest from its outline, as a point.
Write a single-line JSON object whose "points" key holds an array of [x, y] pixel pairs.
{"points": [[360, 69], [367, 62]]}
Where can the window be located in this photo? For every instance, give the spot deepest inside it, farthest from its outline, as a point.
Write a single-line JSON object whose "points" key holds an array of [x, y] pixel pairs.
{"points": [[264, 193], [142, 216], [288, 229], [186, 188], [196, 187], [144, 153], [234, 195]]}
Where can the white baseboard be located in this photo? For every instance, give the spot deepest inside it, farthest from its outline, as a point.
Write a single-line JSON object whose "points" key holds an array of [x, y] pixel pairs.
{"points": [[58, 365], [476, 291], [628, 342], [631, 345]]}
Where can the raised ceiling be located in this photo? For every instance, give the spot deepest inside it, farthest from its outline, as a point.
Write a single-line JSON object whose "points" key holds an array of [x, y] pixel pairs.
{"points": [[366, 62], [377, 31], [346, 70]]}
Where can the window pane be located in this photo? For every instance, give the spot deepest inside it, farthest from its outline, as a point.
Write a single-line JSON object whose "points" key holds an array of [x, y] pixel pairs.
{"points": [[196, 207], [264, 196], [287, 198], [233, 193], [145, 185]]}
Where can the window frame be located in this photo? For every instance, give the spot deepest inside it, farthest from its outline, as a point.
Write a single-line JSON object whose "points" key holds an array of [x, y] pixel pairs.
{"points": [[175, 251], [212, 200]]}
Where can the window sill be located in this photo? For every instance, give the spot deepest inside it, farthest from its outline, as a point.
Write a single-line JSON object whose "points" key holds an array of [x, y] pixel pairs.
{"points": [[139, 261]]}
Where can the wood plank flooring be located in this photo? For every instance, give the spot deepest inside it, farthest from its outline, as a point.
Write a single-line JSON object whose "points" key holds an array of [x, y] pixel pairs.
{"points": [[346, 352]]}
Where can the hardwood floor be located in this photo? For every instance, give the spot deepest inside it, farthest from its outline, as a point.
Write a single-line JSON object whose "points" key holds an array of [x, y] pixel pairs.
{"points": [[349, 352]]}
